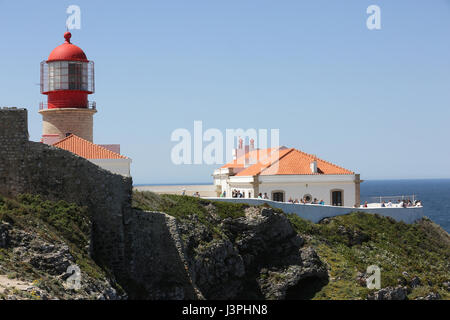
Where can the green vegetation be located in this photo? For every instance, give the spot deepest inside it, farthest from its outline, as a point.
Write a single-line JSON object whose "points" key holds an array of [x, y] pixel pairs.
{"points": [[347, 244], [185, 208], [55, 222], [182, 207], [350, 243]]}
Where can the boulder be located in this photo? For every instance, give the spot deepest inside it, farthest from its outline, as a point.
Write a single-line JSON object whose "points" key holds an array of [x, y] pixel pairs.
{"points": [[389, 293]]}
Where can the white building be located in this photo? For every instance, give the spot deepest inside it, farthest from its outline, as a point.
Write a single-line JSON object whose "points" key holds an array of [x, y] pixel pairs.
{"points": [[106, 156], [284, 174]]}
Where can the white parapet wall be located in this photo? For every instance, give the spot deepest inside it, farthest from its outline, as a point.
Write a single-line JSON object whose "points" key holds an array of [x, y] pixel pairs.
{"points": [[315, 213]]}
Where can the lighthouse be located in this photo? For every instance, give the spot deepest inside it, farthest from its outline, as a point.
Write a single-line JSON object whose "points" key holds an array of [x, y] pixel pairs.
{"points": [[67, 79]]}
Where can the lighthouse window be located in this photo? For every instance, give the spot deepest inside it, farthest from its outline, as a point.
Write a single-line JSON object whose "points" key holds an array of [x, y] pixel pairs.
{"points": [[69, 75], [75, 76]]}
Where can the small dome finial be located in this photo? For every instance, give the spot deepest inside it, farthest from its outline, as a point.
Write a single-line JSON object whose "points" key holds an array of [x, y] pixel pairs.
{"points": [[67, 36]]}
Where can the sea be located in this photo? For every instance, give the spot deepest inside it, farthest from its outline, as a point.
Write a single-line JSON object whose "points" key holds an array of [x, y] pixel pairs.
{"points": [[433, 193]]}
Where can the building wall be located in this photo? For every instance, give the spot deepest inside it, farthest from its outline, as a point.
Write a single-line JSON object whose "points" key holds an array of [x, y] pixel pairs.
{"points": [[62, 121], [118, 166], [320, 191], [315, 213], [297, 186]]}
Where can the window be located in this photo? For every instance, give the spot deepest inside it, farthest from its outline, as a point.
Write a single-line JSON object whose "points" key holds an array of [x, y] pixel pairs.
{"points": [[337, 198], [307, 198], [65, 75], [278, 196]]}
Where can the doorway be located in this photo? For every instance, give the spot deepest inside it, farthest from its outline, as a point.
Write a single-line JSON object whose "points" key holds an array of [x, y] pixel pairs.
{"points": [[278, 196], [336, 198]]}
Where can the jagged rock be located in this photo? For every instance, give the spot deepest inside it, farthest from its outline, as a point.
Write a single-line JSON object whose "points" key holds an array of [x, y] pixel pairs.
{"points": [[430, 296], [389, 293], [261, 244], [402, 281], [415, 282], [4, 234], [355, 237], [275, 284], [361, 278], [55, 259], [446, 285], [219, 270], [52, 258]]}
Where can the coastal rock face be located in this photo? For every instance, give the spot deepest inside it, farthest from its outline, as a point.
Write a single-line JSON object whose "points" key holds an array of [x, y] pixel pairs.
{"points": [[49, 262], [390, 293], [430, 296], [255, 250], [290, 282], [257, 256]]}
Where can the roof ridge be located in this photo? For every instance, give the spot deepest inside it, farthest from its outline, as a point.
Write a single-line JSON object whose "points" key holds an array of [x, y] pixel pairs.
{"points": [[317, 158], [92, 144], [67, 137], [278, 159]]}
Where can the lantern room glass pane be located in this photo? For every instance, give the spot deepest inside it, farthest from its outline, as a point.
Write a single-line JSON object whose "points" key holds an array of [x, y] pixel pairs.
{"points": [[67, 75]]}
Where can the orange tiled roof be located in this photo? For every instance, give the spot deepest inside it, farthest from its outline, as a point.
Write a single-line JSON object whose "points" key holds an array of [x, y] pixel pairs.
{"points": [[254, 154], [264, 162], [286, 162], [86, 149]]}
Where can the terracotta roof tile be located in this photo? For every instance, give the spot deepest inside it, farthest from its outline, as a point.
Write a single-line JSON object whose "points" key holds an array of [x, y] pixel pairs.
{"points": [[298, 163], [264, 163], [86, 149], [285, 162], [254, 154]]}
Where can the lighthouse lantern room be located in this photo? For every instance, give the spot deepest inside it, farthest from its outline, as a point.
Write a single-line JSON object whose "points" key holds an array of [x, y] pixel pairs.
{"points": [[67, 78]]}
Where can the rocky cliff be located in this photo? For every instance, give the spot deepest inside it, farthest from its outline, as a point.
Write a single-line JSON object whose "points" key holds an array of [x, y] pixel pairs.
{"points": [[232, 251], [188, 248], [44, 250]]}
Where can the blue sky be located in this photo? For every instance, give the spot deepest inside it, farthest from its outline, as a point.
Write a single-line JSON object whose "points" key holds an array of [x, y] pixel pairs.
{"points": [[376, 102]]}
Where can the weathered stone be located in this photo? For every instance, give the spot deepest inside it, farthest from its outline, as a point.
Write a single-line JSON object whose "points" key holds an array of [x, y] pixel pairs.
{"points": [[415, 282], [430, 296], [389, 293]]}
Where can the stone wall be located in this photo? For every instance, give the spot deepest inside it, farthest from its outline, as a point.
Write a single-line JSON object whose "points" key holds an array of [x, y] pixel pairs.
{"points": [[56, 174], [13, 142], [141, 249]]}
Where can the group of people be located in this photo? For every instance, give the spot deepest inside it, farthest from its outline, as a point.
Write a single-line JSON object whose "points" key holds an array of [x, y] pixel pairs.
{"points": [[407, 203], [196, 193], [237, 194], [304, 201]]}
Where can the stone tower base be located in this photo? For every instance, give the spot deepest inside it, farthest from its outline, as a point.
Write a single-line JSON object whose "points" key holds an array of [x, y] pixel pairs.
{"points": [[58, 123]]}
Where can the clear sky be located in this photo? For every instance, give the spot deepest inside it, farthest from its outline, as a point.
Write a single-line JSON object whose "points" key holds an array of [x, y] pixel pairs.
{"points": [[376, 102]]}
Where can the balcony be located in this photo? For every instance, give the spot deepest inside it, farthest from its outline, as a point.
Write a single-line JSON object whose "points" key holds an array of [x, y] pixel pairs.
{"points": [[91, 106]]}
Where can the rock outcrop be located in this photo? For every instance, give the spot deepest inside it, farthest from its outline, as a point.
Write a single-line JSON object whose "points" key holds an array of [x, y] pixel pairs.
{"points": [[258, 256], [49, 259], [390, 293]]}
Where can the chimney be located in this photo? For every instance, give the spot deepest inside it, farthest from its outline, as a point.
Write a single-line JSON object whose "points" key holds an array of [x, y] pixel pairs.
{"points": [[239, 151], [313, 166]]}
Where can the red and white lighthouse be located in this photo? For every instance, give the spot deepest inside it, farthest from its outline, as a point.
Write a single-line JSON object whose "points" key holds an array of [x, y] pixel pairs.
{"points": [[67, 78]]}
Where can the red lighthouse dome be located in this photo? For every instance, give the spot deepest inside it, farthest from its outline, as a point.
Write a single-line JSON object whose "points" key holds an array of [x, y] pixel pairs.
{"points": [[67, 51], [67, 78]]}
